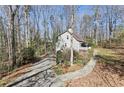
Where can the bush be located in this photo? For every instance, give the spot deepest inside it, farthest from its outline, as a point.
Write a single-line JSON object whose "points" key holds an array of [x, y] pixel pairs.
{"points": [[76, 55], [59, 57], [26, 56], [58, 70], [28, 53], [91, 42], [64, 56], [40, 50]]}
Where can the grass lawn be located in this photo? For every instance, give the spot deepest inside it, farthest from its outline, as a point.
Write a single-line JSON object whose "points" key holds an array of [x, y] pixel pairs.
{"points": [[106, 52], [111, 54], [112, 59]]}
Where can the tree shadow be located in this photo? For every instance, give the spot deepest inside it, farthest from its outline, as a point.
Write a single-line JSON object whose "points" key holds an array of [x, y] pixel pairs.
{"points": [[115, 66], [114, 47]]}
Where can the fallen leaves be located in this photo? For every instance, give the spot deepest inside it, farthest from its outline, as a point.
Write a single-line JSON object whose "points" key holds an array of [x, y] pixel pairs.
{"points": [[98, 78]]}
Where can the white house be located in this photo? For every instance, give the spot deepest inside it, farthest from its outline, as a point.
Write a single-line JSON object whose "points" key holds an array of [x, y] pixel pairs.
{"points": [[64, 41]]}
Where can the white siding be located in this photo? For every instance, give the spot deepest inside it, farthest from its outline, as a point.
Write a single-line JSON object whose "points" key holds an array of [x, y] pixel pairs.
{"points": [[76, 44], [63, 40]]}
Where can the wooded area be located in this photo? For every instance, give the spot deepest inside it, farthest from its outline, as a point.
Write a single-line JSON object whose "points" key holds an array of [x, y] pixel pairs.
{"points": [[27, 32]]}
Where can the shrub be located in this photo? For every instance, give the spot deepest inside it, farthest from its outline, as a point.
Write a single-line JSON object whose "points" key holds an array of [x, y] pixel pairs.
{"points": [[76, 55], [91, 42], [26, 56], [59, 57], [64, 56], [40, 50], [58, 70]]}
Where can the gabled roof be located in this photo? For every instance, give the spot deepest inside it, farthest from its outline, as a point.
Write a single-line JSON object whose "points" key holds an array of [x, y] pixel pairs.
{"points": [[75, 35]]}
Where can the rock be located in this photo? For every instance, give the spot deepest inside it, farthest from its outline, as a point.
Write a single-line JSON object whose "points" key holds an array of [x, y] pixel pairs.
{"points": [[39, 71]]}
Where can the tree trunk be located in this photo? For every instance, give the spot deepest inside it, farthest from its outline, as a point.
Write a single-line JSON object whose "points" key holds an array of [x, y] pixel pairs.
{"points": [[26, 26], [13, 41], [18, 33], [9, 39]]}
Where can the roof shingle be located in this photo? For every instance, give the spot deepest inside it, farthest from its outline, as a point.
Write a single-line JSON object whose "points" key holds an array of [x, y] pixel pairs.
{"points": [[75, 35]]}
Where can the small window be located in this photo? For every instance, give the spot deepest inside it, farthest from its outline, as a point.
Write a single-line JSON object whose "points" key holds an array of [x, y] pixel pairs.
{"points": [[67, 37]]}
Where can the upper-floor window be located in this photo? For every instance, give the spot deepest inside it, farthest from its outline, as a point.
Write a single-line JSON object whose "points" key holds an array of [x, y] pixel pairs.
{"points": [[67, 37]]}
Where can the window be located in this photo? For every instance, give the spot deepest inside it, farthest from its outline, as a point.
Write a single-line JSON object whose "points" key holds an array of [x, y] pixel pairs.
{"points": [[67, 37]]}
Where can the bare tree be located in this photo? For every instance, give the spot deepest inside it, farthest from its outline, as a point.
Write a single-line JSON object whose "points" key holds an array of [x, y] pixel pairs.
{"points": [[26, 13], [13, 10], [96, 19]]}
